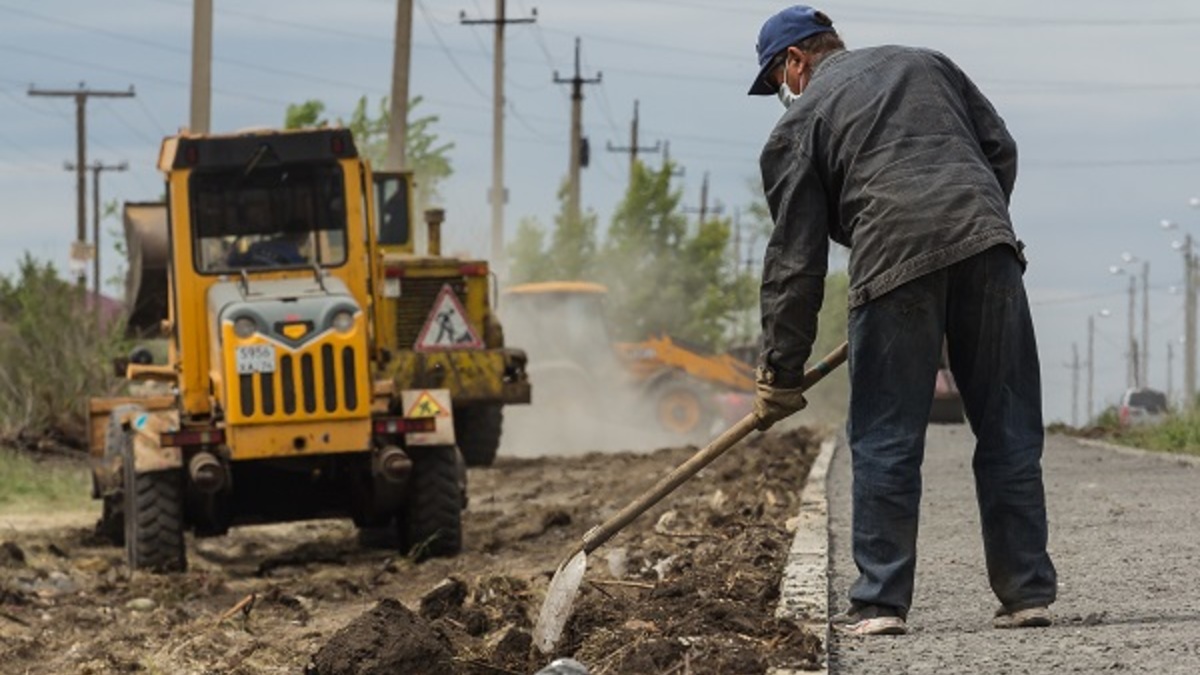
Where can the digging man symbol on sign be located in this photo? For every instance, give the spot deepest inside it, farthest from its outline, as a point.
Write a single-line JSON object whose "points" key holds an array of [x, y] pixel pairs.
{"points": [[426, 408], [446, 329], [453, 329]]}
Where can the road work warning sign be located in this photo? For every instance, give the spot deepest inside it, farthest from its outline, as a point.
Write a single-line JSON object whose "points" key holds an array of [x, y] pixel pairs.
{"points": [[447, 326], [426, 406], [429, 403]]}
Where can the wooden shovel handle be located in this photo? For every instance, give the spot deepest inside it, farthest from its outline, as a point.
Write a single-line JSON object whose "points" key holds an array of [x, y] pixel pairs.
{"points": [[598, 535]]}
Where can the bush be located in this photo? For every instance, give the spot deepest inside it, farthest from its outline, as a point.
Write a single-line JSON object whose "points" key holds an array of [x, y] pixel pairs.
{"points": [[55, 354]]}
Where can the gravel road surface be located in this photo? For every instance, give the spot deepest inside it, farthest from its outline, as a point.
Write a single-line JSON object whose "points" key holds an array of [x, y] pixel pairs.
{"points": [[1124, 535]]}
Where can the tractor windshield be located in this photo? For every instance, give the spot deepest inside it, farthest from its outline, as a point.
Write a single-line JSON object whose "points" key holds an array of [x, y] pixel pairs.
{"points": [[268, 216]]}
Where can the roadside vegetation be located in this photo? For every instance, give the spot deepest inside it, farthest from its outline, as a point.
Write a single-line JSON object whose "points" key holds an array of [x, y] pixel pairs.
{"points": [[36, 481], [1178, 433], [56, 353]]}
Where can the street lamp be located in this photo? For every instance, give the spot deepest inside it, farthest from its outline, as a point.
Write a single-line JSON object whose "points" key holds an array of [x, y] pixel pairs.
{"points": [[1091, 359], [1189, 306]]}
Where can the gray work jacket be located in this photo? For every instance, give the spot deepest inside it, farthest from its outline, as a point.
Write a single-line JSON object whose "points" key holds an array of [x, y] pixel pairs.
{"points": [[893, 152]]}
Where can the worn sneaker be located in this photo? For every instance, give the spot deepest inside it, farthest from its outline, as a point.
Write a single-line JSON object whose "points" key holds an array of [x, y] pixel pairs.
{"points": [[870, 620], [1030, 617]]}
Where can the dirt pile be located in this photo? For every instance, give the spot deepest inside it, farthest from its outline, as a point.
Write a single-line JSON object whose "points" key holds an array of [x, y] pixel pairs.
{"points": [[388, 639], [691, 586]]}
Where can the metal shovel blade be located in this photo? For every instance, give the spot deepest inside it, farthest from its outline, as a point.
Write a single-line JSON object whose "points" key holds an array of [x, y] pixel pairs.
{"points": [[557, 607]]}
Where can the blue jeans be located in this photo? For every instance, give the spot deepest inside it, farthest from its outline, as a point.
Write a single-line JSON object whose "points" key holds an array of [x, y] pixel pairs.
{"points": [[978, 306]]}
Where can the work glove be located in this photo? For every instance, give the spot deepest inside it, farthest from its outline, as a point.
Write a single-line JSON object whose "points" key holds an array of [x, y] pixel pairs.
{"points": [[772, 403]]}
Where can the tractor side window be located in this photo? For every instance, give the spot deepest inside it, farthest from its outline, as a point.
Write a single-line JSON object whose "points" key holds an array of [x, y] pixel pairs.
{"points": [[391, 194], [274, 217]]}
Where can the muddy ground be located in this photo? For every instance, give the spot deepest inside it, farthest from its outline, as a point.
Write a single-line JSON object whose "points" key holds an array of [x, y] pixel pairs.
{"points": [[689, 588]]}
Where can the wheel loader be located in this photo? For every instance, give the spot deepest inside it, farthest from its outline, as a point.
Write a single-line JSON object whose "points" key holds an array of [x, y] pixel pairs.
{"points": [[276, 400], [677, 388]]}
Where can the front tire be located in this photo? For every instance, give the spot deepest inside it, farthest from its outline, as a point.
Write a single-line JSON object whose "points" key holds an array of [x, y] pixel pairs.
{"points": [[478, 429], [431, 523], [153, 518]]}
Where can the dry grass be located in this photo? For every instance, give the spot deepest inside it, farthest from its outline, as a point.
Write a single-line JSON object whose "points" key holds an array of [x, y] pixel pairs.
{"points": [[39, 483]]}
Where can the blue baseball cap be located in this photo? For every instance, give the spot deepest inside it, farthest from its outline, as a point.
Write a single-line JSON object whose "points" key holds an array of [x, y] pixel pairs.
{"points": [[796, 23]]}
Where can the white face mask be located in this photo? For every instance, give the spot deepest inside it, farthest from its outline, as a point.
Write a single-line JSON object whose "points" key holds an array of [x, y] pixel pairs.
{"points": [[786, 96]]}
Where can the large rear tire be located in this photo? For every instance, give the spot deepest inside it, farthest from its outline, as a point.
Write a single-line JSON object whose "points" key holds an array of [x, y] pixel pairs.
{"points": [[153, 518], [477, 429], [431, 523]]}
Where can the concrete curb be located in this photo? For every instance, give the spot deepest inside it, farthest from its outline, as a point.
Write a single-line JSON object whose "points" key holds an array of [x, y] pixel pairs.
{"points": [[804, 589], [1190, 460]]}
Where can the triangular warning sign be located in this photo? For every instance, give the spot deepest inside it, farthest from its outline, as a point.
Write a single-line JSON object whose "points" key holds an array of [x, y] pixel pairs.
{"points": [[425, 406], [447, 326]]}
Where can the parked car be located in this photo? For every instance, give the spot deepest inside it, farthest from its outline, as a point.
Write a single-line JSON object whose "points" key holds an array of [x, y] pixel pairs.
{"points": [[1141, 407]]}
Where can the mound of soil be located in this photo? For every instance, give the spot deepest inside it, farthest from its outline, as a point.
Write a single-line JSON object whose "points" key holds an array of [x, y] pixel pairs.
{"points": [[386, 640], [691, 586]]}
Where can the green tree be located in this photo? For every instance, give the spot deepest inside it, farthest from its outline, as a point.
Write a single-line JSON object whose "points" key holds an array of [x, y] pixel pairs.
{"points": [[664, 277], [573, 246], [570, 254], [527, 255], [427, 156]]}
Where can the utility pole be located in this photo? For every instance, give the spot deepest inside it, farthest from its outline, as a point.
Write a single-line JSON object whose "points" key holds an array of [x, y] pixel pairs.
{"points": [[576, 82], [633, 148], [677, 171], [97, 168], [1189, 328], [1075, 367], [1170, 369], [703, 210], [1091, 365], [498, 194], [1131, 367], [737, 240], [1144, 380], [396, 158], [202, 27], [81, 96]]}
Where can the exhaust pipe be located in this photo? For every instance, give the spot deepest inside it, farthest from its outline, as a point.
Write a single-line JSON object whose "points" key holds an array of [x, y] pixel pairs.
{"points": [[206, 472], [393, 464], [433, 221]]}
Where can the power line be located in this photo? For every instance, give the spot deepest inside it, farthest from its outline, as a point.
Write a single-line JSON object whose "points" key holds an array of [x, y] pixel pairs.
{"points": [[446, 50]]}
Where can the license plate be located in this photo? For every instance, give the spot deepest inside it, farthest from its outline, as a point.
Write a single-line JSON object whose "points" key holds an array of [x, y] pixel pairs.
{"points": [[255, 359]]}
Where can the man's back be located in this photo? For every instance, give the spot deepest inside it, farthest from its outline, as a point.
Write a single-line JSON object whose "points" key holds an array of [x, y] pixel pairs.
{"points": [[917, 167]]}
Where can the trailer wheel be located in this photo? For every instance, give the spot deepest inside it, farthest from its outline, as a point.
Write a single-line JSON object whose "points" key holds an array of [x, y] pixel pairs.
{"points": [[153, 518], [430, 524], [477, 429], [117, 444]]}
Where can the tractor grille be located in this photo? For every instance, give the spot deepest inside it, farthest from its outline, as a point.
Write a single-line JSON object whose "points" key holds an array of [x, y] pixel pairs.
{"points": [[417, 296], [294, 386]]}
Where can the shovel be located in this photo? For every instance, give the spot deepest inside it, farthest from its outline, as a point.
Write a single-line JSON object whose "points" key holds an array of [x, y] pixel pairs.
{"points": [[556, 609]]}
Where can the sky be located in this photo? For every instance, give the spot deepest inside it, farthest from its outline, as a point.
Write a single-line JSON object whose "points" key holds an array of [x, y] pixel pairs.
{"points": [[1102, 100]]}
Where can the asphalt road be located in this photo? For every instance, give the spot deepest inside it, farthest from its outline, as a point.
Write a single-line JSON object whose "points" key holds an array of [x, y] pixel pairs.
{"points": [[1124, 535]]}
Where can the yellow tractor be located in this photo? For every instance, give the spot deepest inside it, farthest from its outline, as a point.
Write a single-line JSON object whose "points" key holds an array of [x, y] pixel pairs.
{"points": [[438, 323], [275, 401], [676, 388]]}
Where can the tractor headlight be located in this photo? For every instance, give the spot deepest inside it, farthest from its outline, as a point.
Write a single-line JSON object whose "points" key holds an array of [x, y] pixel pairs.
{"points": [[244, 327], [343, 321]]}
